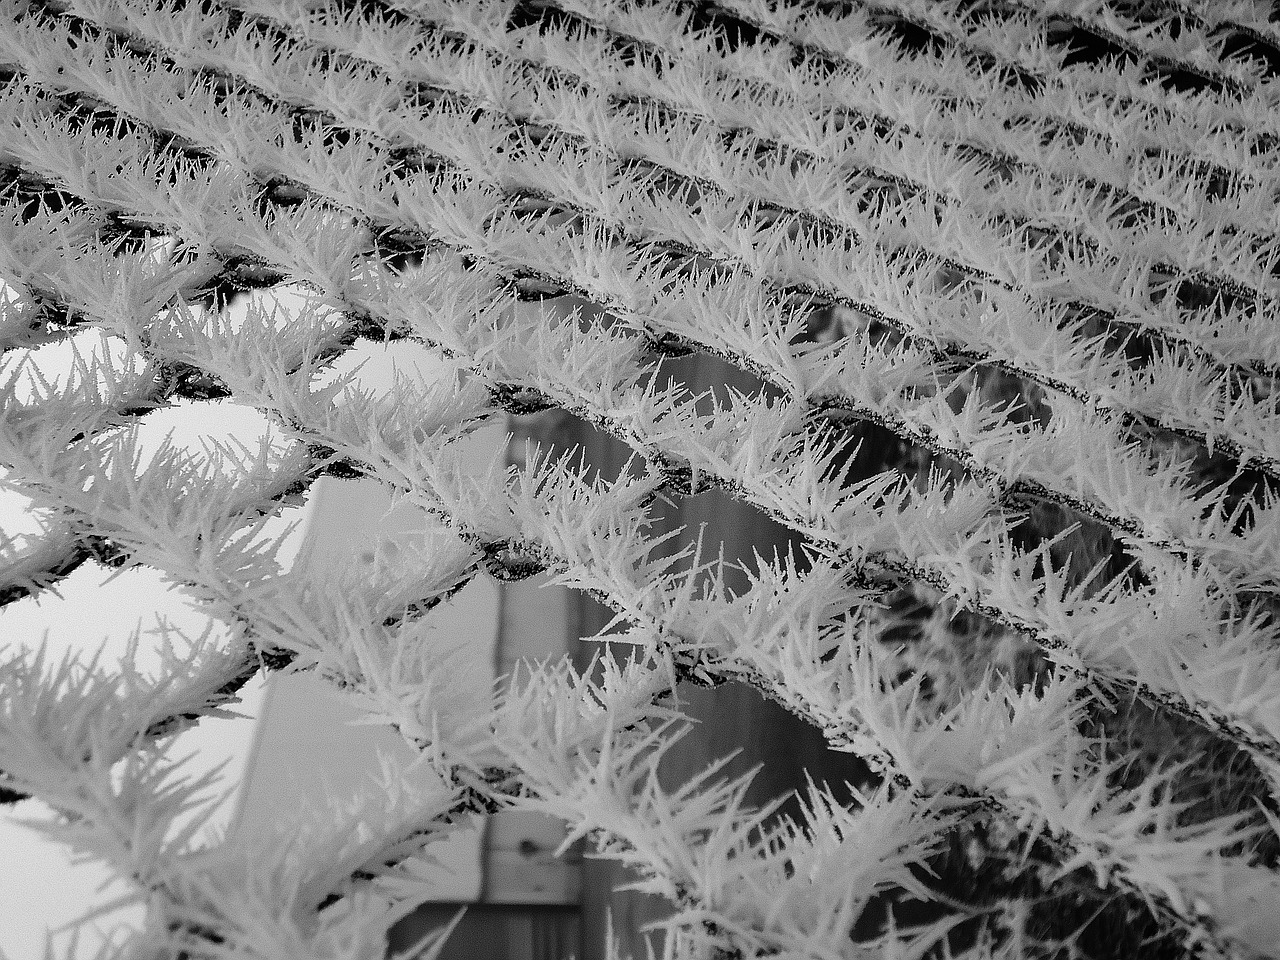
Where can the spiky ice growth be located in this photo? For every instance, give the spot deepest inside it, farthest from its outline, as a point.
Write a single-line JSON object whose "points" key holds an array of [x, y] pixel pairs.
{"points": [[1033, 243]]}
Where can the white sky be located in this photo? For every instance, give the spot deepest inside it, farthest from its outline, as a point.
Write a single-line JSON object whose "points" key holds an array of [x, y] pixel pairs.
{"points": [[40, 890]]}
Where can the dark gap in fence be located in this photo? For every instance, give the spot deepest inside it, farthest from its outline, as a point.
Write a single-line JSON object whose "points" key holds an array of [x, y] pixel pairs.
{"points": [[1244, 484], [1138, 347], [992, 860], [1224, 781], [836, 8], [1195, 294], [949, 648], [8, 796], [534, 13], [634, 54], [987, 863], [918, 40], [553, 433], [336, 136], [1094, 542], [908, 36], [37, 199], [1217, 185], [953, 871], [400, 250], [85, 118], [38, 322], [861, 449], [217, 293], [1086, 45], [1083, 46], [1185, 81], [374, 10], [825, 64], [1130, 212], [709, 377], [736, 716], [1242, 45], [130, 236], [240, 276], [731, 30], [1251, 485], [730, 525]]}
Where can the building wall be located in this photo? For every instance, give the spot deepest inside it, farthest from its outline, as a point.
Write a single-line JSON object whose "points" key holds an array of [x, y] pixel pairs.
{"points": [[306, 743], [304, 739]]}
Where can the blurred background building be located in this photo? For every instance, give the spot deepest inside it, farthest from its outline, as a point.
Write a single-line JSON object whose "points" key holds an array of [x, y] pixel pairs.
{"points": [[526, 904]]}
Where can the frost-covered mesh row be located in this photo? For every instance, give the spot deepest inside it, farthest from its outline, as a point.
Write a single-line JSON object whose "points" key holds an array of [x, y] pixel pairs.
{"points": [[1035, 242]]}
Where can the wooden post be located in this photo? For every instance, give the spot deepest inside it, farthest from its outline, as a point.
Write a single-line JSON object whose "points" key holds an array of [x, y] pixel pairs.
{"points": [[518, 865], [529, 906]]}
